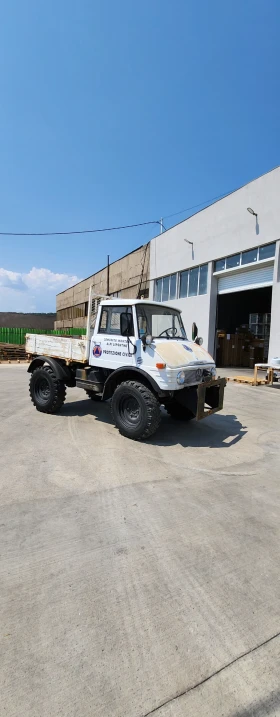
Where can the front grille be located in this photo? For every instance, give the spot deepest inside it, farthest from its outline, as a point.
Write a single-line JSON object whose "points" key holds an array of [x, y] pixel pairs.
{"points": [[192, 377], [197, 375]]}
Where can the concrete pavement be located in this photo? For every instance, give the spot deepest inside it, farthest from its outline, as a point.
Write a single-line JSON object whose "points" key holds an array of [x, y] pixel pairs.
{"points": [[139, 579]]}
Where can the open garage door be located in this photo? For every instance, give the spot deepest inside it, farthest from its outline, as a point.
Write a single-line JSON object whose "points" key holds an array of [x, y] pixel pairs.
{"points": [[249, 279], [243, 326]]}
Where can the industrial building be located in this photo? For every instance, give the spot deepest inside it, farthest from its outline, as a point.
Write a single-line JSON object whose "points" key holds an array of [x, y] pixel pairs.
{"points": [[221, 267], [127, 277]]}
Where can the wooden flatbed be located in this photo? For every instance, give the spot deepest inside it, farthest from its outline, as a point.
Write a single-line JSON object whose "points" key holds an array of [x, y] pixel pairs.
{"points": [[68, 348]]}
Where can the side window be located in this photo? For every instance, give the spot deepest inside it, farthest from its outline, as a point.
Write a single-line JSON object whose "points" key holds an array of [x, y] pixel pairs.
{"points": [[142, 325], [115, 320], [103, 321], [110, 322]]}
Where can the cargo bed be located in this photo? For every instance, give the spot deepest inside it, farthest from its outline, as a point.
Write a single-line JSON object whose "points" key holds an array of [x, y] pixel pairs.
{"points": [[67, 348]]}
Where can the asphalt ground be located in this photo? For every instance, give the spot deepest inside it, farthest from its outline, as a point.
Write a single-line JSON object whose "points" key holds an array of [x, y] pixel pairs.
{"points": [[139, 578]]}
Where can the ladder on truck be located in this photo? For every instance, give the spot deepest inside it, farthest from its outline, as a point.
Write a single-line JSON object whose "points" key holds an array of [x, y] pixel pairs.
{"points": [[93, 304]]}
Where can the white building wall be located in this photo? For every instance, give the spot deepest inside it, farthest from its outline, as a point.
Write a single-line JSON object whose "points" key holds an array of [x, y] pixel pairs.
{"points": [[274, 343], [222, 229]]}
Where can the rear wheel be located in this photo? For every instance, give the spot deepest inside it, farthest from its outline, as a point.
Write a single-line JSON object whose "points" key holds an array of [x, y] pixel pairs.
{"points": [[46, 391], [94, 396], [180, 413], [135, 410]]}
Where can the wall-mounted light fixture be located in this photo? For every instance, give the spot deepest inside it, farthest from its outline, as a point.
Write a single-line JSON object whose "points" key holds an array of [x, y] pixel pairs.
{"points": [[191, 243], [251, 211]]}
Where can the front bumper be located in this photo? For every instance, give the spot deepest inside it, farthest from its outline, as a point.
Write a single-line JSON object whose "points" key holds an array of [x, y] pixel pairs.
{"points": [[210, 397]]}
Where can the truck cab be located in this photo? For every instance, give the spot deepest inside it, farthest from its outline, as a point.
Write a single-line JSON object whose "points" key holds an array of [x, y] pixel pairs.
{"points": [[149, 336]]}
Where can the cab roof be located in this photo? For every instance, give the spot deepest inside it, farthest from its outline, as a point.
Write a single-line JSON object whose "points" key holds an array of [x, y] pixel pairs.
{"points": [[133, 302]]}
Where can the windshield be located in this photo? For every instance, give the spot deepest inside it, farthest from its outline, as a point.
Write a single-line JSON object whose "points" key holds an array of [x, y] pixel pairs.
{"points": [[159, 322]]}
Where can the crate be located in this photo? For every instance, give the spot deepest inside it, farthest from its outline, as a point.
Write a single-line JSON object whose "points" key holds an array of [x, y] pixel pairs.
{"points": [[233, 350], [259, 319], [257, 352]]}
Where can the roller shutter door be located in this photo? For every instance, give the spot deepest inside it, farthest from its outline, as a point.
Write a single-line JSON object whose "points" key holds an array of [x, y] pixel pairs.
{"points": [[250, 279]]}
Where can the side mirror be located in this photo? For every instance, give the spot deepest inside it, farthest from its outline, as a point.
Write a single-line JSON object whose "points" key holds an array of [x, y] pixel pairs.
{"points": [[194, 331], [198, 340], [126, 322], [146, 340]]}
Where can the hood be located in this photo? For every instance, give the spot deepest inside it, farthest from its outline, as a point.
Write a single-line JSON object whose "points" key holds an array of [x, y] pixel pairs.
{"points": [[182, 353]]}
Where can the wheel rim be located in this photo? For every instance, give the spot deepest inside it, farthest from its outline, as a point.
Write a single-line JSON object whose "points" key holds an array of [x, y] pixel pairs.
{"points": [[42, 390], [129, 411]]}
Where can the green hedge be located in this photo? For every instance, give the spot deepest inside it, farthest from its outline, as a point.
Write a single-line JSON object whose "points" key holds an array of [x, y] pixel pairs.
{"points": [[17, 336]]}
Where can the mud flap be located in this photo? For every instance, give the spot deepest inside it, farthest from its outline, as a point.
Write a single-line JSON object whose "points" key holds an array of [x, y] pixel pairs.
{"points": [[210, 398]]}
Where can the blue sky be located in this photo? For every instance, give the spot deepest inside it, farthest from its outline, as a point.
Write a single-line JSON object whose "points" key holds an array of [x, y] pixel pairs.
{"points": [[118, 112]]}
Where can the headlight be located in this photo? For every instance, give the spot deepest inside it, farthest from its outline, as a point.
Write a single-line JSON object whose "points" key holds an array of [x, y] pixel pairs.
{"points": [[181, 377]]}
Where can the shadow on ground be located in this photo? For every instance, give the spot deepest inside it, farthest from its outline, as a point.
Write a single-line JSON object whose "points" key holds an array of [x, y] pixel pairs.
{"points": [[87, 407], [267, 706], [217, 431]]}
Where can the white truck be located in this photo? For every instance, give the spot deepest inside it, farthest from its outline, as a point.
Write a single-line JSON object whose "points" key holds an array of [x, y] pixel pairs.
{"points": [[137, 354]]}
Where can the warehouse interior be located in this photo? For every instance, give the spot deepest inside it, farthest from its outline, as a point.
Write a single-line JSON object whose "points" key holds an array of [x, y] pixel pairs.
{"points": [[243, 327]]}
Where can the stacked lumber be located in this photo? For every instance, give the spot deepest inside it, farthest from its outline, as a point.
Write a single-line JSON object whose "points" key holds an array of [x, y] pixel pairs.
{"points": [[12, 352]]}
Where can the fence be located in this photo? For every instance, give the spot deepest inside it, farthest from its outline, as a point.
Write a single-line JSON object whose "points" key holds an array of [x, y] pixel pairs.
{"points": [[17, 336]]}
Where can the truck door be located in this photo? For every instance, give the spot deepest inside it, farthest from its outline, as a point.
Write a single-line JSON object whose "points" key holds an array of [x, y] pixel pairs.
{"points": [[109, 349]]}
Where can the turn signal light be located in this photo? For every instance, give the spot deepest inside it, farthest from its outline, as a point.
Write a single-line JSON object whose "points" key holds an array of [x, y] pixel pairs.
{"points": [[161, 365]]}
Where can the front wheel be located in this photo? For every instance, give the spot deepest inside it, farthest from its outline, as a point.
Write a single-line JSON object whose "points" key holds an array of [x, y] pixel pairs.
{"points": [[135, 410], [46, 391]]}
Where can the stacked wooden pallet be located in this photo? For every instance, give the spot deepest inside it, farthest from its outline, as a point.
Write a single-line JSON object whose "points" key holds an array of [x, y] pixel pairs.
{"points": [[247, 379], [12, 352]]}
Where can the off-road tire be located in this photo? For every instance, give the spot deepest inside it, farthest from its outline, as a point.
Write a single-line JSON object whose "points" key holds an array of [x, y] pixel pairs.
{"points": [[180, 413], [135, 410], [47, 392], [94, 396]]}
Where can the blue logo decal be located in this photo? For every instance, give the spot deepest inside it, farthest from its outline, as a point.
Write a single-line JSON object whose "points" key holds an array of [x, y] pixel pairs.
{"points": [[97, 351], [187, 348]]}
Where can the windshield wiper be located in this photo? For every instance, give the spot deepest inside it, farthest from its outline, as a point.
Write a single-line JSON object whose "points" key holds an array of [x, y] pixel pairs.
{"points": [[182, 338]]}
